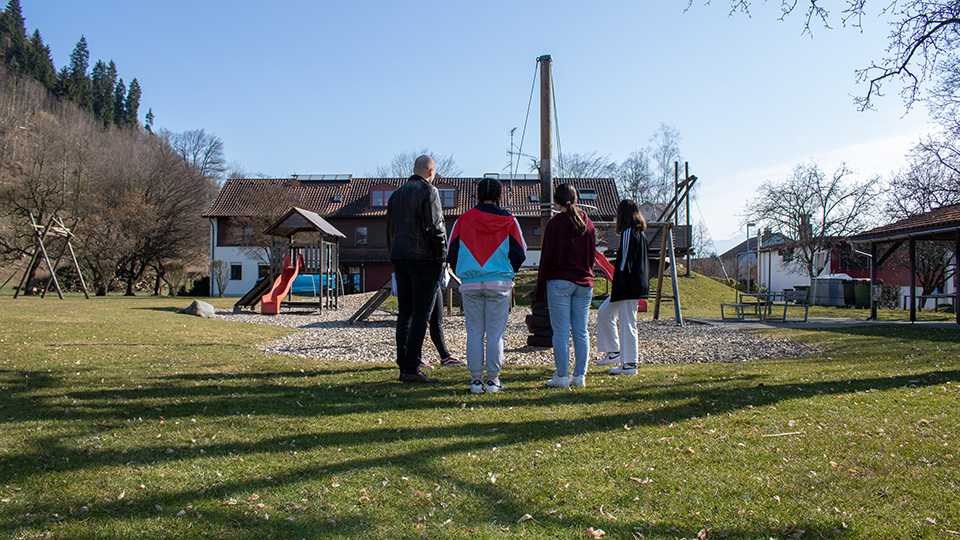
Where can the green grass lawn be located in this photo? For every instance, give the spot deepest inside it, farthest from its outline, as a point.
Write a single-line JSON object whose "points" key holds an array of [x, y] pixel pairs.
{"points": [[120, 418]]}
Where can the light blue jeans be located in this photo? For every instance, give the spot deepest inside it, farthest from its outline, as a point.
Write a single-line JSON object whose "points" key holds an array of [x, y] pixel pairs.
{"points": [[569, 307], [485, 313]]}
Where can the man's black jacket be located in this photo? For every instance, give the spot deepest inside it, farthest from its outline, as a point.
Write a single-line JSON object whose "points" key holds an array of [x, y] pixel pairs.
{"points": [[415, 228]]}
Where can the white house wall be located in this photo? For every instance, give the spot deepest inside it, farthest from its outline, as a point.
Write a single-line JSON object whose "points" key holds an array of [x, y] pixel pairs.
{"points": [[233, 255], [249, 269], [780, 276]]}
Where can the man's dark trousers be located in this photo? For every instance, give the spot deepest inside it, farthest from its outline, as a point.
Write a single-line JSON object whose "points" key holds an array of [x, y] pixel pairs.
{"points": [[417, 283]]}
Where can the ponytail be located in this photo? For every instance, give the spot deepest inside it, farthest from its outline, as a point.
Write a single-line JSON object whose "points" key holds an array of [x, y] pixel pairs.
{"points": [[566, 196]]}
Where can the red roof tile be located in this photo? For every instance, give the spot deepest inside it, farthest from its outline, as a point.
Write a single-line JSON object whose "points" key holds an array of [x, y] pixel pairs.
{"points": [[940, 221]]}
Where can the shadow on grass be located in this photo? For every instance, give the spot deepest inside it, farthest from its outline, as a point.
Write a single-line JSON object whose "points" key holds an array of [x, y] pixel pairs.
{"points": [[898, 331], [324, 394], [168, 309]]}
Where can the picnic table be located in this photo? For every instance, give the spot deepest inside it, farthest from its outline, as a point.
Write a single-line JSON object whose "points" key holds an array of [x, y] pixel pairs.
{"points": [[761, 305]]}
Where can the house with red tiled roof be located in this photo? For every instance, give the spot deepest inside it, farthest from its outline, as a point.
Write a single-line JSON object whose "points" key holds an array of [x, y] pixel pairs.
{"points": [[357, 207]]}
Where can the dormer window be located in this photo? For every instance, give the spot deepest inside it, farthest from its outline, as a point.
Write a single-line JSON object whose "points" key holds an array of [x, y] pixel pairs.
{"points": [[448, 198], [379, 197], [588, 194]]}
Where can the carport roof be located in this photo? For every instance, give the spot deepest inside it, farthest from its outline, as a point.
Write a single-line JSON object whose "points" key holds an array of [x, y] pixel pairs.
{"points": [[938, 224]]}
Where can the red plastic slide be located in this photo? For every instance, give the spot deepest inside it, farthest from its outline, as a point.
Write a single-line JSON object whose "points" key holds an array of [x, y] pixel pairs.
{"points": [[270, 302], [607, 268], [604, 265]]}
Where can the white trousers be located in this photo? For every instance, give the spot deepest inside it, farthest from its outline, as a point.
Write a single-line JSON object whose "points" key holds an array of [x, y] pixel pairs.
{"points": [[485, 314], [617, 329]]}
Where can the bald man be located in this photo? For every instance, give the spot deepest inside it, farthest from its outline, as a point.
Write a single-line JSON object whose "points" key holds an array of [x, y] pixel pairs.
{"points": [[417, 242]]}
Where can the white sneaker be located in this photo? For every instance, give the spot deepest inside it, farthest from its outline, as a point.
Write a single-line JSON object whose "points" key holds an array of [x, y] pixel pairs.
{"points": [[494, 386], [609, 359], [623, 369], [476, 386], [577, 380], [559, 382]]}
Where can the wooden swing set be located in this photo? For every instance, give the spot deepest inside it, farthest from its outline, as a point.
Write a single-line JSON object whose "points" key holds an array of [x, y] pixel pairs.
{"points": [[54, 228]]}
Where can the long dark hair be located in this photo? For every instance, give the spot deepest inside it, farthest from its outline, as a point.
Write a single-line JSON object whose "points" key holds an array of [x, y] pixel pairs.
{"points": [[629, 216], [489, 190], [566, 196]]}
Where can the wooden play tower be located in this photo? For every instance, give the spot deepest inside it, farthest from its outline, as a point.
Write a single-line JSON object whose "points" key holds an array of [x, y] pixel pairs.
{"points": [[321, 258]]}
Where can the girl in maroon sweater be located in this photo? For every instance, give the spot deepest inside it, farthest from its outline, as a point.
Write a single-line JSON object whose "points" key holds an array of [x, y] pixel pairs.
{"points": [[565, 280]]}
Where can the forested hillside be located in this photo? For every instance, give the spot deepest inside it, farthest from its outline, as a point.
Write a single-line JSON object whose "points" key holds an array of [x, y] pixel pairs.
{"points": [[71, 148]]}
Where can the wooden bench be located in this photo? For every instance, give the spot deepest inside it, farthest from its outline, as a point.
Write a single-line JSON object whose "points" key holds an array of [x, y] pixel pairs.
{"points": [[935, 297]]}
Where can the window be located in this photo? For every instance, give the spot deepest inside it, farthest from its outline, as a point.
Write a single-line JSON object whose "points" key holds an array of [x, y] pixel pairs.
{"points": [[536, 232], [262, 271], [588, 194], [379, 197], [361, 236], [534, 198], [448, 198], [236, 271]]}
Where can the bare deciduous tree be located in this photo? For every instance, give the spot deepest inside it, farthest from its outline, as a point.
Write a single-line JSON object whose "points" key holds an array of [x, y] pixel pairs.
{"points": [[930, 180], [401, 166], [634, 178], [920, 47], [664, 153], [201, 150], [590, 165], [220, 274], [43, 152], [815, 208]]}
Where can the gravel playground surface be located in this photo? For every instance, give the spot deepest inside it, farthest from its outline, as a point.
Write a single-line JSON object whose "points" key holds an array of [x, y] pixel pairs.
{"points": [[328, 336]]}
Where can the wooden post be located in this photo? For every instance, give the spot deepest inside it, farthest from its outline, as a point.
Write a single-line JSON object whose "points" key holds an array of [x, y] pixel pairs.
{"points": [[686, 179], [74, 256], [663, 257], [546, 142], [673, 276], [873, 280], [913, 279]]}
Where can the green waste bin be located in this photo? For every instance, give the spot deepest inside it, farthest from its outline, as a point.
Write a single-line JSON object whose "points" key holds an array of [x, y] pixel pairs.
{"points": [[861, 291], [804, 288]]}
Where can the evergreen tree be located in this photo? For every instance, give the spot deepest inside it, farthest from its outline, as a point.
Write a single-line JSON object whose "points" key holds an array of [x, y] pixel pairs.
{"points": [[41, 62], [132, 104], [148, 123], [119, 93], [13, 38], [15, 15], [104, 79], [63, 84], [80, 90]]}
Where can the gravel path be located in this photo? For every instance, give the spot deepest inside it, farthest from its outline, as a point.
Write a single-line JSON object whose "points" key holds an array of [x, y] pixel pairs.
{"points": [[328, 336]]}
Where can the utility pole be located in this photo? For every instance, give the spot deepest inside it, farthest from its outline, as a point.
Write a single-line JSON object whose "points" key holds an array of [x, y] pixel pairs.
{"points": [[546, 141]]}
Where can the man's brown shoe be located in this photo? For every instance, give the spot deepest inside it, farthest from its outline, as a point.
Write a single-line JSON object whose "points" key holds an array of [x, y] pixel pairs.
{"points": [[417, 378]]}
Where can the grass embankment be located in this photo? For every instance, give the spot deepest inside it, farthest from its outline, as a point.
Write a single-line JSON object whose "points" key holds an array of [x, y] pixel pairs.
{"points": [[121, 418]]}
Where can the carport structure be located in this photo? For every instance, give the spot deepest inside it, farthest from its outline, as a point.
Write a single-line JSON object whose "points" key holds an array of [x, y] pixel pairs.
{"points": [[941, 224]]}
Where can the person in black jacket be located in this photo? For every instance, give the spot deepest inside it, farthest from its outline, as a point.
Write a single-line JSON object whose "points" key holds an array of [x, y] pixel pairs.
{"points": [[417, 242], [617, 316]]}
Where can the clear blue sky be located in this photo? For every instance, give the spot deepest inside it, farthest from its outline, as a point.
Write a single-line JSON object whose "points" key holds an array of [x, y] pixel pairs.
{"points": [[342, 87]]}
